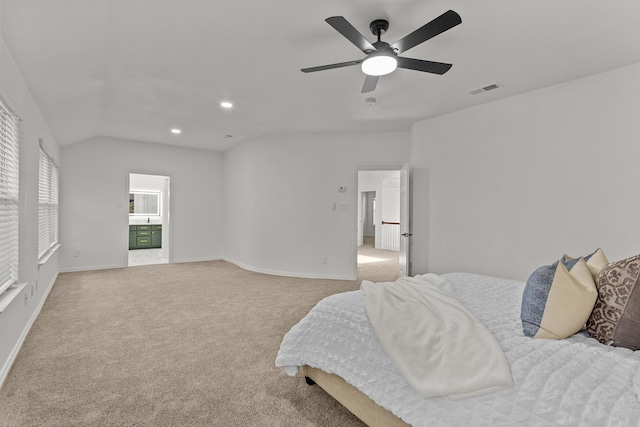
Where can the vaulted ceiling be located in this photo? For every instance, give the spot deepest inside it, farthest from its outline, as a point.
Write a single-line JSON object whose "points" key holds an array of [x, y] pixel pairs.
{"points": [[135, 69]]}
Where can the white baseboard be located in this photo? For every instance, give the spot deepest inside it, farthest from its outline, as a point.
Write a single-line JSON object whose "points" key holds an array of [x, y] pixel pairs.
{"points": [[91, 267], [16, 349], [186, 260], [107, 267]]}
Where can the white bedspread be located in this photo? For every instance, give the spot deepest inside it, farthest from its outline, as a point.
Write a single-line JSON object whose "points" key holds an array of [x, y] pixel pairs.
{"points": [[571, 382], [440, 348]]}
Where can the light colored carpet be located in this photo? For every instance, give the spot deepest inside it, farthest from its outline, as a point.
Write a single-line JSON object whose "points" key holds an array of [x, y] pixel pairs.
{"points": [[377, 264], [171, 345]]}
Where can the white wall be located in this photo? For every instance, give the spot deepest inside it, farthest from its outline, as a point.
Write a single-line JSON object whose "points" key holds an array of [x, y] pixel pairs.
{"points": [[16, 319], [516, 183], [94, 201], [391, 193], [279, 194]]}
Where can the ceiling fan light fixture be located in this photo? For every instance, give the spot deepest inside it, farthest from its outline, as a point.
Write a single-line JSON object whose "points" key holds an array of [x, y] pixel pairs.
{"points": [[379, 65]]}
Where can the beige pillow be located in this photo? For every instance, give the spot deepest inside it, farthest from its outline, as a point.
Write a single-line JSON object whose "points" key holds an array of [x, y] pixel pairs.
{"points": [[596, 261], [557, 302]]}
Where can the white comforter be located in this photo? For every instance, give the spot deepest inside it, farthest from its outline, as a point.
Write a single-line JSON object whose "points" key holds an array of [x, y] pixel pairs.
{"points": [[571, 382], [440, 348]]}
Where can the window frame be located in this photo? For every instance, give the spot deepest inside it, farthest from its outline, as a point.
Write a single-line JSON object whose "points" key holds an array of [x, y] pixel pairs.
{"points": [[9, 197], [48, 205]]}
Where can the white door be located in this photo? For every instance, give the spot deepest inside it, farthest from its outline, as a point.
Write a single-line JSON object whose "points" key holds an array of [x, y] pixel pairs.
{"points": [[405, 226]]}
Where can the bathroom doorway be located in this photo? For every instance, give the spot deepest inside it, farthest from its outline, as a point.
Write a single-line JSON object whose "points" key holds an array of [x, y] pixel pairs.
{"points": [[148, 223]]}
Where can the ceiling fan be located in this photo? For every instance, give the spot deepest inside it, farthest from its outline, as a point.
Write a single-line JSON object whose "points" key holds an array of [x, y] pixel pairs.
{"points": [[382, 58]]}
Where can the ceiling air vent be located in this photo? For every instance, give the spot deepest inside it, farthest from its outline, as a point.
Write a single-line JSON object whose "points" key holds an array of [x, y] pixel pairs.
{"points": [[486, 88]]}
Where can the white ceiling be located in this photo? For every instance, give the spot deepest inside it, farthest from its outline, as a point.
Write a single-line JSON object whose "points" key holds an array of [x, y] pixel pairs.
{"points": [[136, 68]]}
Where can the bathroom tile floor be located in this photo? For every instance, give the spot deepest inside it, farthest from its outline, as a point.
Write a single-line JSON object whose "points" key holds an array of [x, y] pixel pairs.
{"points": [[146, 257]]}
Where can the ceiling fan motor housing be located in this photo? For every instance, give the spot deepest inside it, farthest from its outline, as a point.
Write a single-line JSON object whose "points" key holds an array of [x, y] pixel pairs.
{"points": [[379, 27]]}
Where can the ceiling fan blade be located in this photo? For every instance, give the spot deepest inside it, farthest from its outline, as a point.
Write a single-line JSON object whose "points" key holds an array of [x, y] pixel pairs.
{"points": [[431, 29], [422, 65], [350, 33], [370, 83], [331, 66]]}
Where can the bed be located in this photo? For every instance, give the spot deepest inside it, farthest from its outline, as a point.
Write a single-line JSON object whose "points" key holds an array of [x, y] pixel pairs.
{"points": [[575, 381]]}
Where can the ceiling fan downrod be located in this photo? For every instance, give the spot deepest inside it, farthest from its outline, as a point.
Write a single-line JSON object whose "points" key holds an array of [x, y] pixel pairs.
{"points": [[379, 27]]}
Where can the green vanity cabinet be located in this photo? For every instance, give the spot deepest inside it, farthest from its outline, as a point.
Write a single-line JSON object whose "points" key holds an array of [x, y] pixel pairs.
{"points": [[156, 236], [145, 236], [132, 237]]}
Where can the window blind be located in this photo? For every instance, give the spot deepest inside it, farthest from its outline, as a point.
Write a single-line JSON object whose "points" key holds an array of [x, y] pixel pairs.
{"points": [[8, 198], [47, 204]]}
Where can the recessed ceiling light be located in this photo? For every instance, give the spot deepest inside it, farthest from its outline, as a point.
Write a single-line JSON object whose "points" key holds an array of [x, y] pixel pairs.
{"points": [[176, 131], [226, 104]]}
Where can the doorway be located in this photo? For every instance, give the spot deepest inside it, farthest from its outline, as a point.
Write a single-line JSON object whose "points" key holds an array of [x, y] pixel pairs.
{"points": [[378, 224], [148, 219], [368, 217]]}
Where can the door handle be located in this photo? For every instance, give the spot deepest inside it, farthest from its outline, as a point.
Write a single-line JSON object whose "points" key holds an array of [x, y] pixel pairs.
{"points": [[406, 234]]}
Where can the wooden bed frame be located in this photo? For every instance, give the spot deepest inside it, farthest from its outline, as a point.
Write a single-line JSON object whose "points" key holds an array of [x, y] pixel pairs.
{"points": [[353, 399]]}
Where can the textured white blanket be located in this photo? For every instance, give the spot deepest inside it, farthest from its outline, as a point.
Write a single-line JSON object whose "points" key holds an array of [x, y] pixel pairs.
{"points": [[440, 348]]}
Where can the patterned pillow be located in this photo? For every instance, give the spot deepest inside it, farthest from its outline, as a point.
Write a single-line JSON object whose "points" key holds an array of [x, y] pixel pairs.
{"points": [[558, 300], [616, 316]]}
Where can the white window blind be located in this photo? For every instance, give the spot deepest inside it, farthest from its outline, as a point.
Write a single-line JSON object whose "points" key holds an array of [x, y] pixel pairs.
{"points": [[8, 198], [47, 204]]}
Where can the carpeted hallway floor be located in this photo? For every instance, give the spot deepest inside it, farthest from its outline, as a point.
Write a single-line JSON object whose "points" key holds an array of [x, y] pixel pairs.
{"points": [[172, 345]]}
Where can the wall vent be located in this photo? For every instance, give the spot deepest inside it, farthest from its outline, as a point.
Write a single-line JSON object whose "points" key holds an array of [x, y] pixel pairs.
{"points": [[486, 88]]}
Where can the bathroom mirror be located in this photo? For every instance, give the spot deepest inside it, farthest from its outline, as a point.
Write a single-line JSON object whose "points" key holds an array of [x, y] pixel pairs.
{"points": [[144, 203]]}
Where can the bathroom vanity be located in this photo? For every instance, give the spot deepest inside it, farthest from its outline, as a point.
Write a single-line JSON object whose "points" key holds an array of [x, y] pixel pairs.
{"points": [[145, 236]]}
